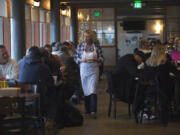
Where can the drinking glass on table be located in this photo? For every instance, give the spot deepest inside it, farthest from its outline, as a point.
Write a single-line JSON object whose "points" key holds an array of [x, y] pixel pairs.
{"points": [[3, 84], [55, 77]]}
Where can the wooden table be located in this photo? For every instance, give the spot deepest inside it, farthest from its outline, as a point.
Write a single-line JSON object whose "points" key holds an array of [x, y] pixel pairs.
{"points": [[10, 91]]}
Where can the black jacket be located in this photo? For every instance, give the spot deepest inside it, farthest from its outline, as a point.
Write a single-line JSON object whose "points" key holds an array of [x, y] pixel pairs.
{"points": [[32, 70], [158, 82], [123, 78]]}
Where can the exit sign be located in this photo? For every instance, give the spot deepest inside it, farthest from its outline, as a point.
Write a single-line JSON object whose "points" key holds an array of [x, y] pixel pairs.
{"points": [[137, 4], [96, 14]]}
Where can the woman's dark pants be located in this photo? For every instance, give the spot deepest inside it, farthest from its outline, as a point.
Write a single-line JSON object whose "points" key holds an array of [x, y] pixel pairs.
{"points": [[91, 103]]}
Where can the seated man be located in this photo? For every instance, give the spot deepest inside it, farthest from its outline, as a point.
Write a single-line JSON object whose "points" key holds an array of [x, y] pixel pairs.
{"points": [[8, 66], [124, 74], [32, 70], [145, 48]]}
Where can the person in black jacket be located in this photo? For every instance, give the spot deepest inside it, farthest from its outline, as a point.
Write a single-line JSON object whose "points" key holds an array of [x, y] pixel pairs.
{"points": [[34, 67], [159, 62], [31, 68], [145, 48], [124, 74], [159, 84]]}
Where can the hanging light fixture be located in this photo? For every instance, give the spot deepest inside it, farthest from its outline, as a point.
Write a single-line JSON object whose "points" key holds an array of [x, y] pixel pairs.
{"points": [[64, 5], [64, 8], [158, 27], [36, 3]]}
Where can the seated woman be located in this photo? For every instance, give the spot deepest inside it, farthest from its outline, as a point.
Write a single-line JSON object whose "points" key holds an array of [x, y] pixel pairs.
{"points": [[175, 55], [157, 67], [60, 76]]}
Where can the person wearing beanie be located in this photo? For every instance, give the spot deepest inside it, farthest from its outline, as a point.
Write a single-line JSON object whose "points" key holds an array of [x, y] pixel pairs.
{"points": [[124, 75]]}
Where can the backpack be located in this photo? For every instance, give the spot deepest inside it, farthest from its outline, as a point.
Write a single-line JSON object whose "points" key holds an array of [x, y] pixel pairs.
{"points": [[73, 116]]}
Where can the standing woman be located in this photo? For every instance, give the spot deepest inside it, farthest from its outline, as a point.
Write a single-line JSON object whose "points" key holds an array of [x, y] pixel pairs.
{"points": [[88, 55]]}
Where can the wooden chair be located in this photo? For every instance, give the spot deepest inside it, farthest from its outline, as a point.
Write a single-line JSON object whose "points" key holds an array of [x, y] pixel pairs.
{"points": [[12, 115], [150, 86], [33, 96], [113, 96], [27, 107]]}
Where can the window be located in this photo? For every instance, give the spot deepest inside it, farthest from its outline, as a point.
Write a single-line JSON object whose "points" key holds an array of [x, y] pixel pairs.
{"points": [[48, 16], [3, 8], [3, 14], [100, 20], [65, 27], [42, 23], [42, 15], [1, 31], [34, 14], [27, 12]]}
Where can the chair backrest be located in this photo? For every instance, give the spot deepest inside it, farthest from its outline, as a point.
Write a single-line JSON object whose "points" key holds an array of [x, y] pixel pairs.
{"points": [[151, 77], [29, 88], [10, 105], [40, 89], [110, 81]]}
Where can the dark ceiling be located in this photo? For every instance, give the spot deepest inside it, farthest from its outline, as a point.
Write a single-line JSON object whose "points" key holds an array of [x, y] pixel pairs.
{"points": [[119, 3]]}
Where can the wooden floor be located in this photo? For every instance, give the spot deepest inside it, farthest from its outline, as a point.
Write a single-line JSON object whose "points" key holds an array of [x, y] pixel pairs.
{"points": [[122, 126]]}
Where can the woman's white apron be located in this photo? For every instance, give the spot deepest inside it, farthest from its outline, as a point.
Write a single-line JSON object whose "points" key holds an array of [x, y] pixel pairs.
{"points": [[89, 72]]}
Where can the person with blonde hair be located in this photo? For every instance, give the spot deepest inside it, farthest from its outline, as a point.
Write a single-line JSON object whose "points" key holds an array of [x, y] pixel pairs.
{"points": [[88, 55], [158, 68], [101, 65], [158, 56]]}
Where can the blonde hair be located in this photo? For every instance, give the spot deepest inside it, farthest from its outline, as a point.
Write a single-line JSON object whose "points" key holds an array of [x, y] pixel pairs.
{"points": [[158, 56], [90, 33]]}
